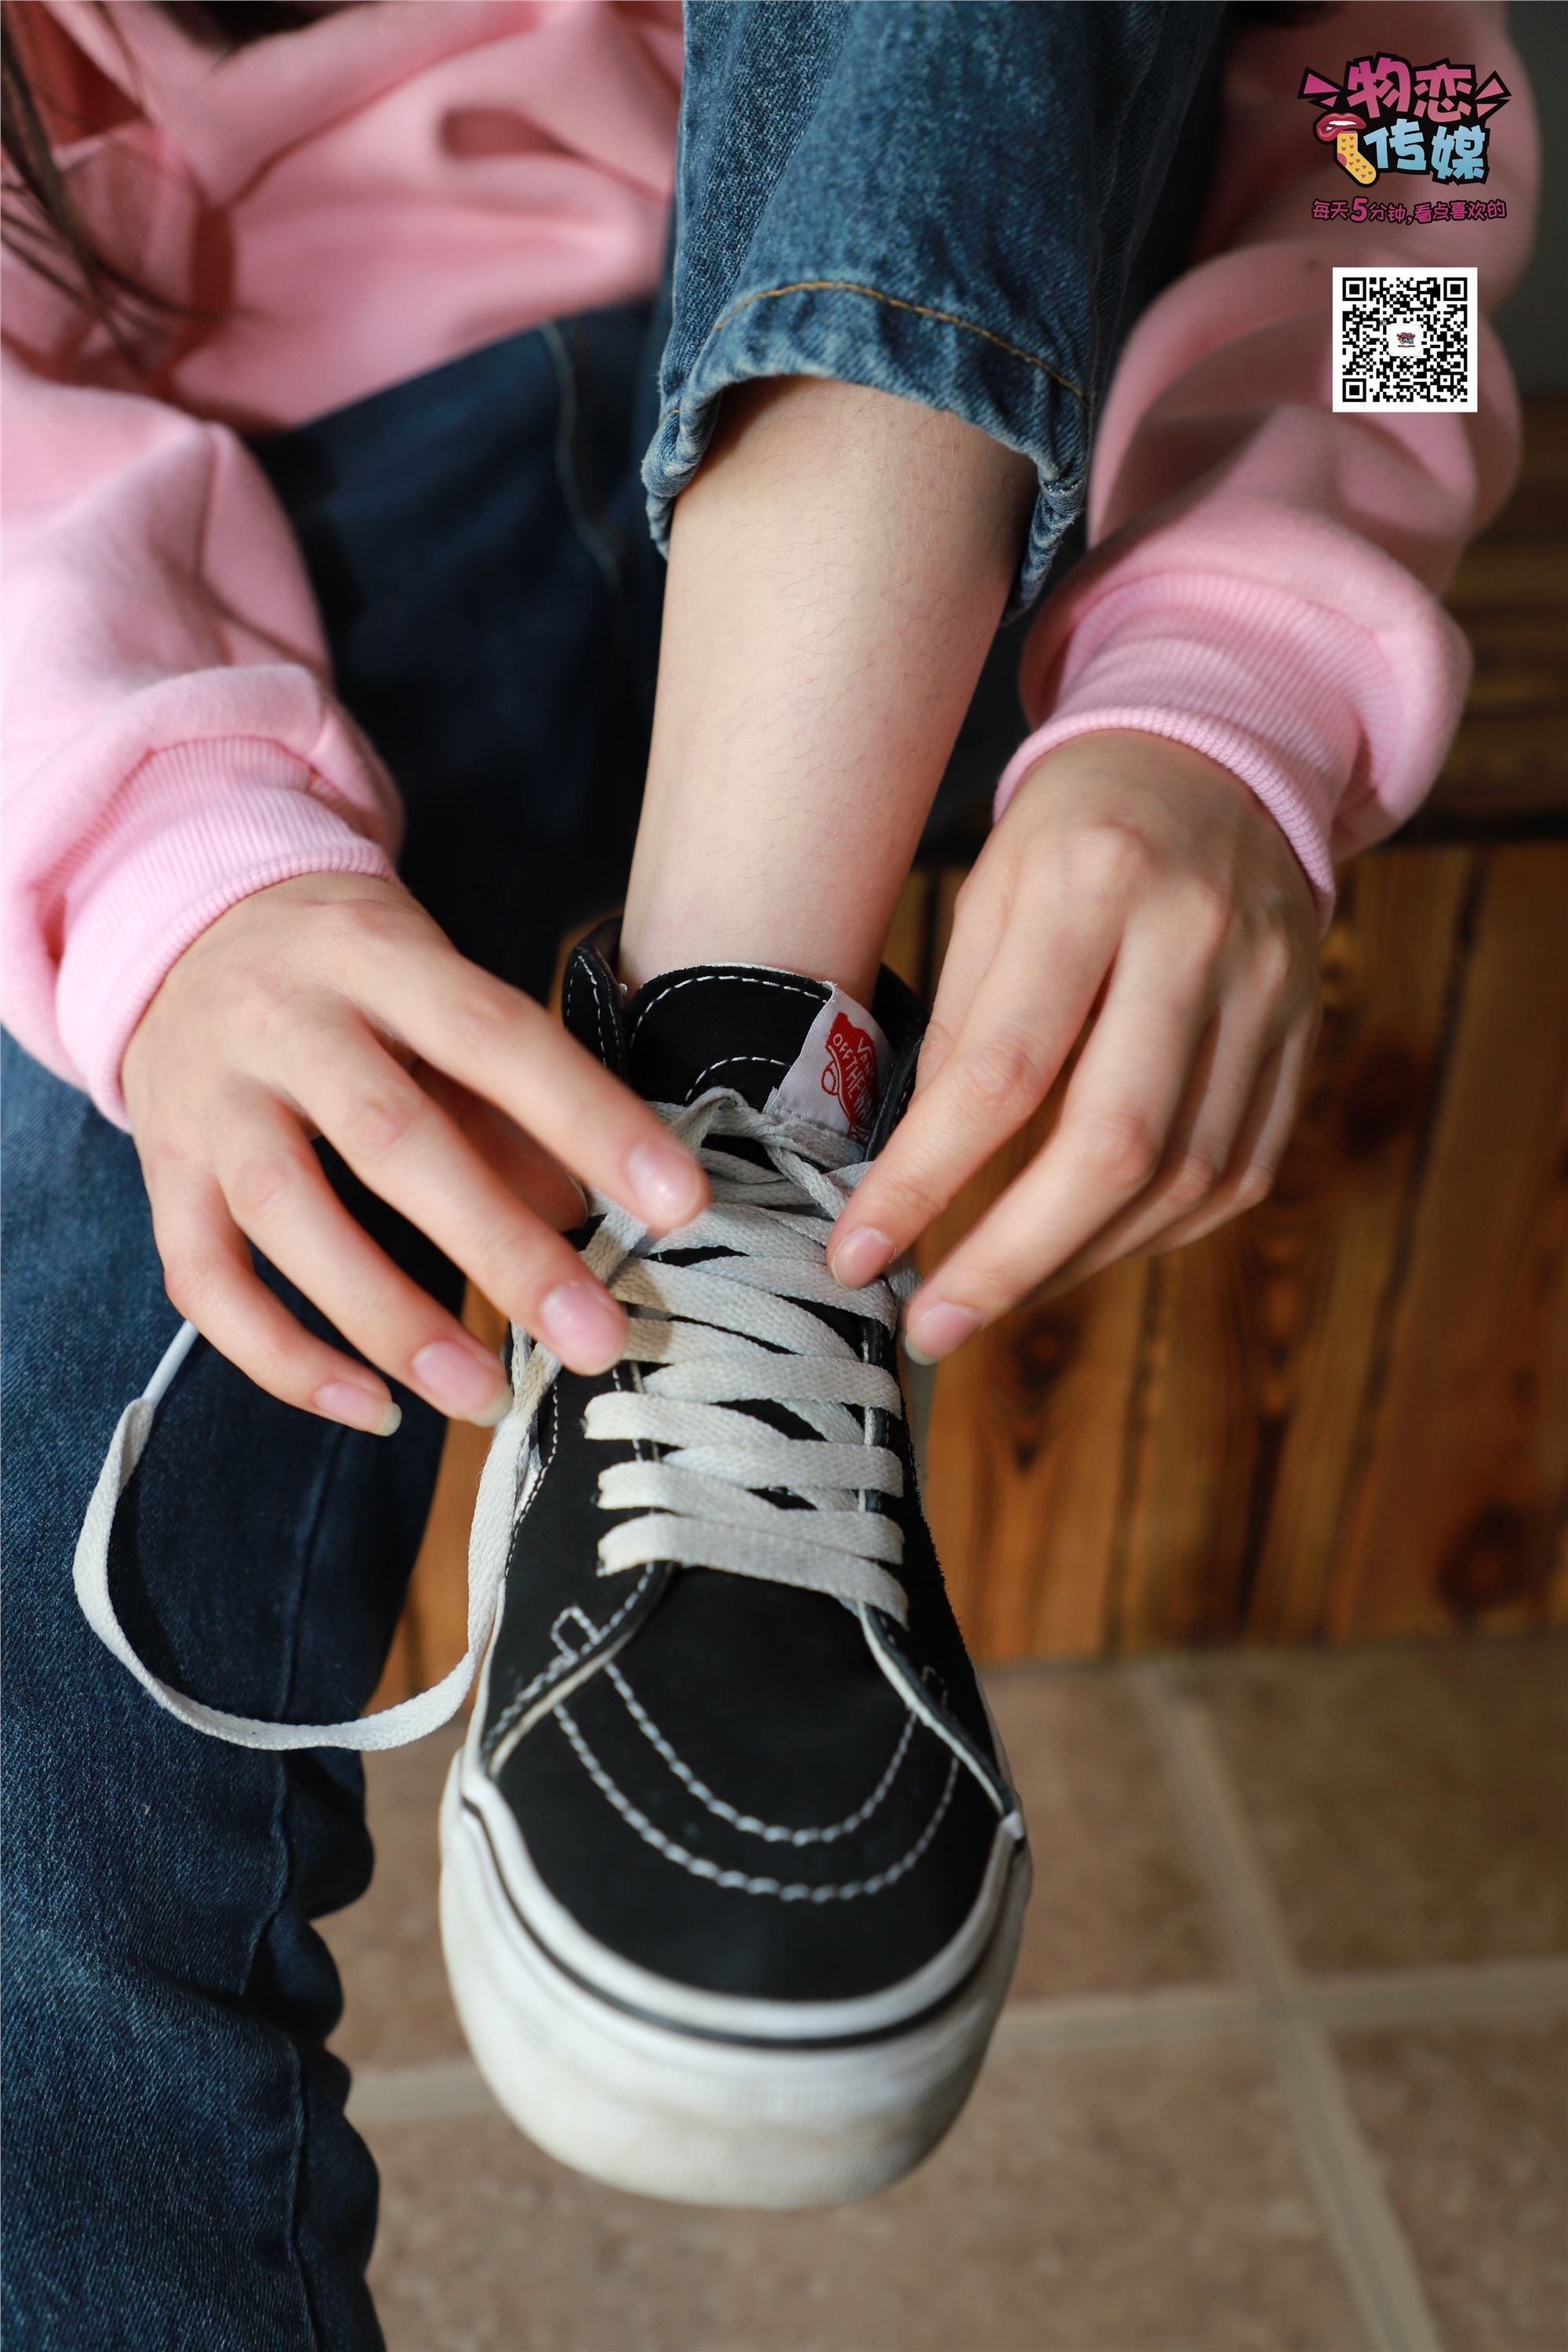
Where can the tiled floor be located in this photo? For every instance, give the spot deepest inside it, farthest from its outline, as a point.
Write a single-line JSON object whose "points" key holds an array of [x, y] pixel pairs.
{"points": [[1285, 2070]]}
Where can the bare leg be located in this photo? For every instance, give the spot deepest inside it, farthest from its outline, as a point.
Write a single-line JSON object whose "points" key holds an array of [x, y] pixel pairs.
{"points": [[838, 571]]}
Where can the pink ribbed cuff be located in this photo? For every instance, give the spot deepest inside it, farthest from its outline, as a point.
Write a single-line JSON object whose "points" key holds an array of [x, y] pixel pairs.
{"points": [[197, 828], [1277, 690]]}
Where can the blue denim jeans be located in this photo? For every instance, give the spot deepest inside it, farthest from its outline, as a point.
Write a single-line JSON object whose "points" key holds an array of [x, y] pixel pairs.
{"points": [[951, 200], [179, 2171], [954, 204]]}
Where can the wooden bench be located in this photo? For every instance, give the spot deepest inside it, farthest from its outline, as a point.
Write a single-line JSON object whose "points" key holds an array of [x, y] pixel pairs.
{"points": [[1346, 1415]]}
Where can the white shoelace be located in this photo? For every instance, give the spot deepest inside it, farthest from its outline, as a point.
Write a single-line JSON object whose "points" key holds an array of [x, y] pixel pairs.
{"points": [[727, 1332], [718, 1334]]}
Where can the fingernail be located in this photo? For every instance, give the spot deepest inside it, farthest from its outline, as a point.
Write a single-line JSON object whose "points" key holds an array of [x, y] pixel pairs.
{"points": [[665, 1183], [581, 1326], [361, 1408], [859, 1256], [468, 1386], [940, 1329]]}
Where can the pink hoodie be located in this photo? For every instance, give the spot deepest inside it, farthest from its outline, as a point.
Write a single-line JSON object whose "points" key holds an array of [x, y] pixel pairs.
{"points": [[361, 200]]}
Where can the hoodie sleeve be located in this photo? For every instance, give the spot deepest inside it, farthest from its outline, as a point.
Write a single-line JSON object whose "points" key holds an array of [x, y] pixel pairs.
{"points": [[171, 742], [1264, 576]]}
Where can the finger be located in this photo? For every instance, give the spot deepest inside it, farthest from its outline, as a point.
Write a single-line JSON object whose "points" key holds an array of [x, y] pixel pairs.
{"points": [[1019, 1029], [1189, 1185], [279, 1196], [500, 1043], [522, 1165], [971, 945], [398, 1142], [210, 1280], [1261, 1146], [1205, 1177], [1107, 1146], [1234, 1053]]}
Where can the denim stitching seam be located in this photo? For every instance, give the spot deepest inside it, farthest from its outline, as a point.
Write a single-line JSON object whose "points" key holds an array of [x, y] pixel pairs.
{"points": [[894, 302]]}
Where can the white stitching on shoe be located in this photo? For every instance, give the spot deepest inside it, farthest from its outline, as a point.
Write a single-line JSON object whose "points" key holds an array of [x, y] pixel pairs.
{"points": [[560, 1665], [739, 1880], [519, 1700], [773, 1061], [603, 1004], [770, 1832], [569, 995], [714, 978], [574, 976]]}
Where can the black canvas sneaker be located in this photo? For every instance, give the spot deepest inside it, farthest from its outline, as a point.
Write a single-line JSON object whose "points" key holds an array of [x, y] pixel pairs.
{"points": [[732, 1871]]}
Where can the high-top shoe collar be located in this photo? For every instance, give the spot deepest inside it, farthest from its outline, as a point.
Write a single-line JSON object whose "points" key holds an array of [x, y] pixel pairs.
{"points": [[775, 1036]]}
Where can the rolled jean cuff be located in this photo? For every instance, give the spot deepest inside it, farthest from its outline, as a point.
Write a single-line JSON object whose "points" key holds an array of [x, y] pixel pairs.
{"points": [[955, 202], [850, 333]]}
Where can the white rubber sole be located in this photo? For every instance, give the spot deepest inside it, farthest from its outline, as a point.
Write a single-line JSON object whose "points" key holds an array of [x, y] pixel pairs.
{"points": [[673, 2113]]}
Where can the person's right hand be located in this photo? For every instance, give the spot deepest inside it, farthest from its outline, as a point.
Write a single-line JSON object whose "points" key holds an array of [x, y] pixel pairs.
{"points": [[333, 1005]]}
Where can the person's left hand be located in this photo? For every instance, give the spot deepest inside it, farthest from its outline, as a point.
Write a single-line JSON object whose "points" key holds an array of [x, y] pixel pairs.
{"points": [[1137, 890]]}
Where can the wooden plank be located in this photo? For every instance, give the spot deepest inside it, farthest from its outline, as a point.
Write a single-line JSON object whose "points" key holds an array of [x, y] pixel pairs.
{"points": [[908, 946], [1507, 569], [1508, 764], [1539, 505], [1322, 1250], [1195, 1452], [1463, 1487], [1554, 1420], [1024, 1466]]}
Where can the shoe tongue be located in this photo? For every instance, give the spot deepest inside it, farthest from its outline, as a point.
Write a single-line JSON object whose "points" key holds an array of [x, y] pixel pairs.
{"points": [[783, 1041]]}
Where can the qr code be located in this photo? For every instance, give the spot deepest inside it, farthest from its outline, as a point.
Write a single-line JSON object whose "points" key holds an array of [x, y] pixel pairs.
{"points": [[1405, 339]]}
